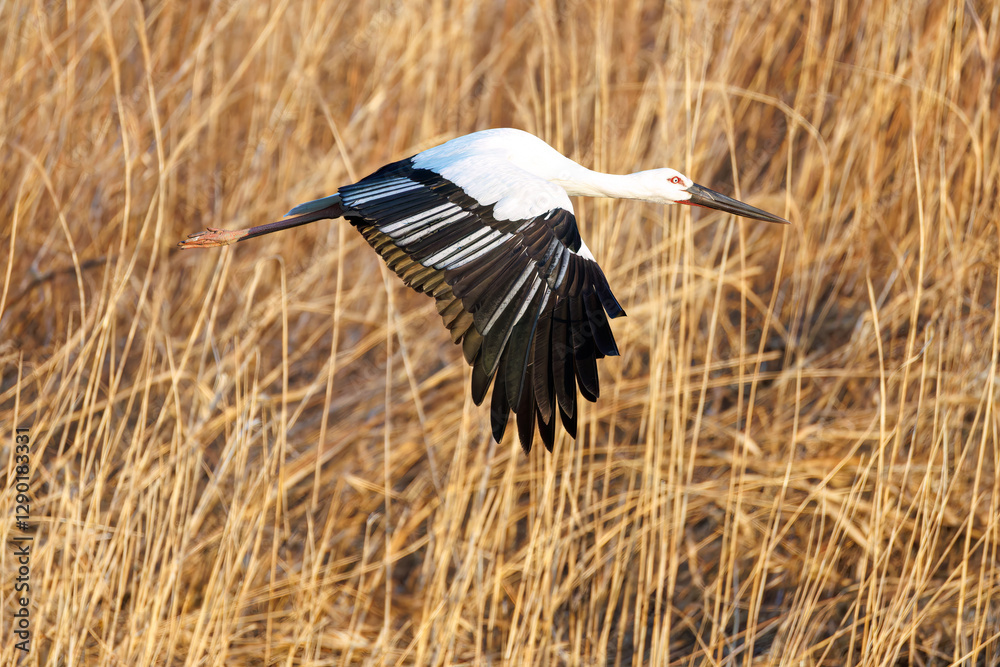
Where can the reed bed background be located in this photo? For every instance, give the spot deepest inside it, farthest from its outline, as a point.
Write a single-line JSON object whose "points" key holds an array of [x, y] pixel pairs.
{"points": [[267, 454]]}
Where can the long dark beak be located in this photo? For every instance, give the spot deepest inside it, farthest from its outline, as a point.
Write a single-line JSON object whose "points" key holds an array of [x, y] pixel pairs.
{"points": [[702, 196]]}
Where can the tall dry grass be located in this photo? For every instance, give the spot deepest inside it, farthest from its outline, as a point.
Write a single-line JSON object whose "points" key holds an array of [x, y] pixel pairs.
{"points": [[267, 454]]}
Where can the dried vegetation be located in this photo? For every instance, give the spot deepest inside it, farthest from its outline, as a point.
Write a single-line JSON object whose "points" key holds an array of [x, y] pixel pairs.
{"points": [[267, 454]]}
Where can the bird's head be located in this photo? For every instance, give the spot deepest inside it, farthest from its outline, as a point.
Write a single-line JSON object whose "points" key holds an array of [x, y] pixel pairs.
{"points": [[669, 186]]}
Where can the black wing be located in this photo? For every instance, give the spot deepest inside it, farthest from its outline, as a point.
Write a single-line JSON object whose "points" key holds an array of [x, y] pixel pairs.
{"points": [[526, 305]]}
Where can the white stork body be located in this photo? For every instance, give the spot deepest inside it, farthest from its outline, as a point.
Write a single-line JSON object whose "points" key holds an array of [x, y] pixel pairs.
{"points": [[484, 224], [509, 169]]}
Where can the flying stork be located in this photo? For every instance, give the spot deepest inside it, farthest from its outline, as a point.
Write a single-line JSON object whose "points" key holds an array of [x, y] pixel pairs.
{"points": [[485, 225]]}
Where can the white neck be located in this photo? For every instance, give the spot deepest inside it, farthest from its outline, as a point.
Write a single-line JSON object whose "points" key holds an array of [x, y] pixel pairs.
{"points": [[582, 182]]}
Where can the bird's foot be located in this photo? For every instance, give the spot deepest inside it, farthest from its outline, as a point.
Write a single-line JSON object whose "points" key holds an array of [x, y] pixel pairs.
{"points": [[212, 237]]}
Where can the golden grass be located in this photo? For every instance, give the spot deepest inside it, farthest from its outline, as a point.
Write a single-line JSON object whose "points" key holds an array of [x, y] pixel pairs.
{"points": [[267, 454]]}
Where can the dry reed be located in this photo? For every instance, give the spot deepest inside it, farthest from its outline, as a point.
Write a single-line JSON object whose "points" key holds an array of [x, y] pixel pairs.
{"points": [[267, 454]]}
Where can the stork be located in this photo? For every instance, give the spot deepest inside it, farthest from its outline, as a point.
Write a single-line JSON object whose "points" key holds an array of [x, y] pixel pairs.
{"points": [[485, 225]]}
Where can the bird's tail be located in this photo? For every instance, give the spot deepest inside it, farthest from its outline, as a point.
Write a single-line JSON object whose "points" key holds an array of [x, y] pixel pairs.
{"points": [[321, 209]]}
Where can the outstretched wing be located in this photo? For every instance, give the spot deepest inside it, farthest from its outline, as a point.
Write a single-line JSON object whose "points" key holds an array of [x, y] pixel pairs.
{"points": [[514, 283]]}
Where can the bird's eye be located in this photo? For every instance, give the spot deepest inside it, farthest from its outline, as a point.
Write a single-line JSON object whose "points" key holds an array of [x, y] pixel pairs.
{"points": [[676, 180]]}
